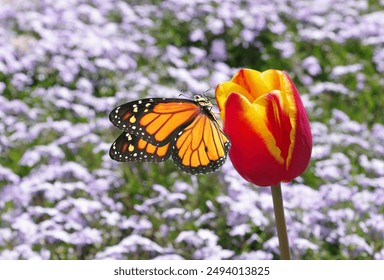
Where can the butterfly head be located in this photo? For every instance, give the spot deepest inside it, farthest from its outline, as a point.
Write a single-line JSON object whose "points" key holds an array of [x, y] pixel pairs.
{"points": [[203, 101]]}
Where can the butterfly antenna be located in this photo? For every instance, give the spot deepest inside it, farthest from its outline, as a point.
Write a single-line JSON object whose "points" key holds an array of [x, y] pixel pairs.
{"points": [[183, 91], [210, 88], [206, 91]]}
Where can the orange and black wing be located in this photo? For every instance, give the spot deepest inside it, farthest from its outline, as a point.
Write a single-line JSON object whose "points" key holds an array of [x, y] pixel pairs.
{"points": [[156, 128], [130, 148], [155, 120], [202, 146]]}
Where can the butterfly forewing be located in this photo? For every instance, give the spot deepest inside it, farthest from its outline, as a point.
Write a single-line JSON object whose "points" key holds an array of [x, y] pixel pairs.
{"points": [[155, 120]]}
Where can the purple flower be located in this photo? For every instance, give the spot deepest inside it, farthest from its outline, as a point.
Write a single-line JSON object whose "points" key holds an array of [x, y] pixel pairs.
{"points": [[197, 35], [288, 49], [311, 64], [198, 54], [183, 187], [218, 50], [378, 59], [334, 169], [375, 225], [215, 25], [339, 215], [326, 87], [2, 87], [355, 245], [334, 193], [301, 246], [5, 236], [247, 36], [212, 253], [205, 219], [131, 243], [370, 182], [272, 245], [240, 230], [379, 255], [363, 201], [169, 257], [190, 238], [7, 175], [87, 236], [342, 70], [320, 151], [376, 166], [138, 224], [24, 251], [25, 225], [173, 213], [255, 255]]}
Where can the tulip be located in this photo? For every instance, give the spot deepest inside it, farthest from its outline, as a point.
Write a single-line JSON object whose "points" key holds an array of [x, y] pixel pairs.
{"points": [[266, 122]]}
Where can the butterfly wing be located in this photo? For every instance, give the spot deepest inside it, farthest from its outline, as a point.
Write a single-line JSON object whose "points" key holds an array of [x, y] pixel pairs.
{"points": [[155, 120], [155, 128], [130, 148], [202, 146]]}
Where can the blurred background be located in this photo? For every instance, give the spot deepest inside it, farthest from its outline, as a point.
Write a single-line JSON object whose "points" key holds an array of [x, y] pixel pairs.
{"points": [[65, 64]]}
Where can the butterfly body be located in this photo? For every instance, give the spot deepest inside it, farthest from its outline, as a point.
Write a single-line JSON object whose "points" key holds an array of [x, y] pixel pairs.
{"points": [[158, 128]]}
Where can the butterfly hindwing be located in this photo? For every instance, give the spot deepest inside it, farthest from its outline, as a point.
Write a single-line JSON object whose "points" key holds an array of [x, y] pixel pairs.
{"points": [[130, 148], [201, 147]]}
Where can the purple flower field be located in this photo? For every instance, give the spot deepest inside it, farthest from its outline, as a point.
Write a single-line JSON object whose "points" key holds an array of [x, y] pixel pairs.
{"points": [[65, 64]]}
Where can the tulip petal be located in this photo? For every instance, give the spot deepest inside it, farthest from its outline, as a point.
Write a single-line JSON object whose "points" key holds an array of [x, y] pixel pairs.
{"points": [[286, 100], [277, 123], [252, 82], [301, 137], [271, 79], [225, 89], [246, 126]]}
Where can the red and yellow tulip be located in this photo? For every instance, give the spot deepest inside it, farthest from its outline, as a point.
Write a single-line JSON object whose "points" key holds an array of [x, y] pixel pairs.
{"points": [[266, 122]]}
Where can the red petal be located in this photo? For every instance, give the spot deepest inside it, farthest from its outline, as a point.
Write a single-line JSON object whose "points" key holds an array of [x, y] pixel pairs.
{"points": [[249, 153]]}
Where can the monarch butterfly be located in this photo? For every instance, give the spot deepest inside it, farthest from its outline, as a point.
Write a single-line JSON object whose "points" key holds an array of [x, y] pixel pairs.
{"points": [[157, 128]]}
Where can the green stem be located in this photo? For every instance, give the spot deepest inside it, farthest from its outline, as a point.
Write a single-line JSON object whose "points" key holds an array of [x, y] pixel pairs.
{"points": [[278, 207]]}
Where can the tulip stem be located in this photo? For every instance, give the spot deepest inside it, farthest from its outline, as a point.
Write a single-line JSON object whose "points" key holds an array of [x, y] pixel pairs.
{"points": [[278, 207]]}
